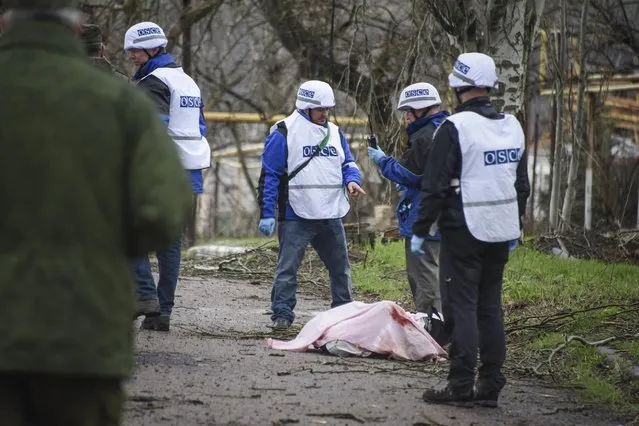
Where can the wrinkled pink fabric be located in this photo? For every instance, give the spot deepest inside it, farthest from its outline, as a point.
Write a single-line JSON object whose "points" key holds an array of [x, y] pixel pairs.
{"points": [[382, 327]]}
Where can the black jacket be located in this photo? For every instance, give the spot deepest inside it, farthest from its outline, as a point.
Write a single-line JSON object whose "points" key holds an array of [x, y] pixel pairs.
{"points": [[419, 146], [439, 201]]}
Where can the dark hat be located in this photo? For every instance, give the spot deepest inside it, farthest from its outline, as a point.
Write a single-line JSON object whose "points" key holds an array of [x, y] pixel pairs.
{"points": [[39, 4], [91, 34]]}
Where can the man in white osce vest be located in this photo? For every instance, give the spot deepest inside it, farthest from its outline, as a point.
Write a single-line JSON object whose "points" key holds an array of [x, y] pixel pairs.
{"points": [[307, 169], [475, 186], [180, 107]]}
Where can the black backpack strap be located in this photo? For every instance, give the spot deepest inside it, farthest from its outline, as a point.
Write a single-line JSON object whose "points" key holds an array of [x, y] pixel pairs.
{"points": [[282, 197], [300, 167], [281, 127]]}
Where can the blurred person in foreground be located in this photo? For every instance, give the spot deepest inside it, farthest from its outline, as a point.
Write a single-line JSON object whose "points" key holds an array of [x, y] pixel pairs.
{"points": [[109, 186]]}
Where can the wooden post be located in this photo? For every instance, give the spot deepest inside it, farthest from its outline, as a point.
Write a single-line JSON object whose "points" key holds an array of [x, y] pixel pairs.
{"points": [[216, 200], [238, 199], [591, 153]]}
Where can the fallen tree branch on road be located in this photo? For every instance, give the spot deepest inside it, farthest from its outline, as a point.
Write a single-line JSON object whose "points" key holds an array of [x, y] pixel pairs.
{"points": [[550, 320]]}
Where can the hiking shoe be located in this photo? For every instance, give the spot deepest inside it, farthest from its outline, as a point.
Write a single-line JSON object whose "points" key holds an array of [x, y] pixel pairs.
{"points": [[281, 324], [486, 398], [447, 396], [156, 323], [149, 308]]}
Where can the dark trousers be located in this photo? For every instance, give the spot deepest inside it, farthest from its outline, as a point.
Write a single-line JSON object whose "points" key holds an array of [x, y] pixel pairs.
{"points": [[471, 273], [49, 400], [169, 268]]}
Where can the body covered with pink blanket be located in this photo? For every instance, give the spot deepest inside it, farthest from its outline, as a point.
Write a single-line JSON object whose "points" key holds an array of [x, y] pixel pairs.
{"points": [[382, 327]]}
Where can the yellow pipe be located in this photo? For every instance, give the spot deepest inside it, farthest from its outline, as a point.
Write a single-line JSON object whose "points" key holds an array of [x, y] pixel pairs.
{"points": [[595, 89], [246, 117]]}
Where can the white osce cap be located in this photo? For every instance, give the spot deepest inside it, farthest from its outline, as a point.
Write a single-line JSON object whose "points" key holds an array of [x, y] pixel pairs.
{"points": [[315, 94], [473, 70], [418, 96], [145, 35]]}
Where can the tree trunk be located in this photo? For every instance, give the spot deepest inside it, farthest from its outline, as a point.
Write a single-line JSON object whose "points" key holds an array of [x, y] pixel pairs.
{"points": [[553, 211], [533, 196], [191, 227], [506, 30], [591, 152], [506, 46], [577, 134], [186, 40]]}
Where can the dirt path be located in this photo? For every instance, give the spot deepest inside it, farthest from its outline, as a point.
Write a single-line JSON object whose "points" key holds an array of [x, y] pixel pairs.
{"points": [[186, 378]]}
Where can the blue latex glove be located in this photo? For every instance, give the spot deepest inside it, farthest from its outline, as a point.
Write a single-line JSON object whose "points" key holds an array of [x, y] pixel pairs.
{"points": [[375, 154], [416, 244], [399, 187], [512, 245], [266, 226]]}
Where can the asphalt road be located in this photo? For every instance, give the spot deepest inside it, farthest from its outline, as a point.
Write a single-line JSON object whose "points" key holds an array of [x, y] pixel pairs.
{"points": [[214, 368]]}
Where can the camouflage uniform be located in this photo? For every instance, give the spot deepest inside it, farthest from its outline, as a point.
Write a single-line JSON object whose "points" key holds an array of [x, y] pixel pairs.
{"points": [[90, 179], [92, 38]]}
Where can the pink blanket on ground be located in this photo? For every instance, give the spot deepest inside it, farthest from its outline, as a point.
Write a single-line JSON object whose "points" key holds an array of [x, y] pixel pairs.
{"points": [[382, 327]]}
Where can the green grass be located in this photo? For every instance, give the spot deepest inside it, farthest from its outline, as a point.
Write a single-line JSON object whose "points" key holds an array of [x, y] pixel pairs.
{"points": [[383, 273], [630, 349], [601, 383], [541, 285], [537, 278]]}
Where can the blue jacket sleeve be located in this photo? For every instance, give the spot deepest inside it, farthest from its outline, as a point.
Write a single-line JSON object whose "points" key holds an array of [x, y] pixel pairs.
{"points": [[393, 170], [350, 171], [273, 167], [202, 122]]}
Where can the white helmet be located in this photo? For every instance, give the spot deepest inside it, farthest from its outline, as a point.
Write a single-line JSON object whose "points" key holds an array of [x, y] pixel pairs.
{"points": [[315, 94], [418, 96], [473, 70], [145, 35]]}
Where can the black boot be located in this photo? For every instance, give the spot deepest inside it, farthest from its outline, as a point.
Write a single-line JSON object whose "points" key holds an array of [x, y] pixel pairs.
{"points": [[448, 396], [486, 398], [157, 323]]}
